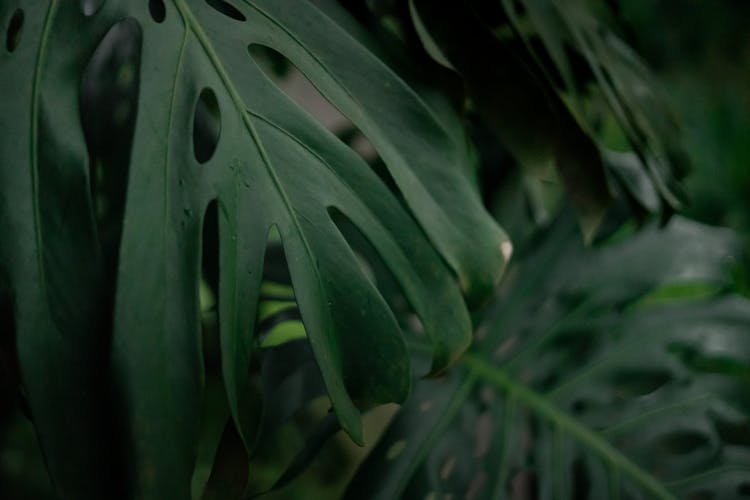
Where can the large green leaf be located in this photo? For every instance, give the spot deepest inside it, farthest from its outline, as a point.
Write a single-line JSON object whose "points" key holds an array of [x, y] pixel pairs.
{"points": [[49, 252], [611, 372], [207, 125]]}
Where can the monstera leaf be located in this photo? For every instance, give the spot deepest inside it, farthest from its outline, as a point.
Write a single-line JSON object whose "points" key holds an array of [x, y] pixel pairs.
{"points": [[530, 68], [173, 87], [613, 372], [627, 86]]}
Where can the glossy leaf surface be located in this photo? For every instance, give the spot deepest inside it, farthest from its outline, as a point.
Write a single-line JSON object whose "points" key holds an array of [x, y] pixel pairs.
{"points": [[206, 125]]}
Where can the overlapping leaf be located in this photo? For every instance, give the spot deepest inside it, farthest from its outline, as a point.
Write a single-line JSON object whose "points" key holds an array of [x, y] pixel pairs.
{"points": [[207, 125], [516, 63], [567, 28], [613, 372]]}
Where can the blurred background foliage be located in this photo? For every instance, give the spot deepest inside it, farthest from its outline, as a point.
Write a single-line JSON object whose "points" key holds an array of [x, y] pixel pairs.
{"points": [[700, 53], [700, 50]]}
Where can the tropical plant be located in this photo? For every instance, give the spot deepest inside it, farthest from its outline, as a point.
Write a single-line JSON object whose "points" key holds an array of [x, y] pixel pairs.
{"points": [[194, 269]]}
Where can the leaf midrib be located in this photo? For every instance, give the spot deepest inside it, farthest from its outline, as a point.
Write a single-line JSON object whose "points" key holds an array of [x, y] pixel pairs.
{"points": [[346, 90], [34, 155], [459, 398], [564, 422], [195, 27], [455, 266], [477, 366]]}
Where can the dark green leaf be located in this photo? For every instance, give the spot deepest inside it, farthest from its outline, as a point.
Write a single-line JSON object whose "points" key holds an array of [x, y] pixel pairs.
{"points": [[581, 389], [49, 248], [208, 125]]}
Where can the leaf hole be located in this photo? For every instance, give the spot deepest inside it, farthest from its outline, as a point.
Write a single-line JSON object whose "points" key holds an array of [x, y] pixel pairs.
{"points": [[206, 126], [634, 383], [158, 10], [107, 106], [276, 268], [273, 64], [227, 9], [360, 144], [90, 7], [363, 249], [744, 489], [682, 442], [15, 27], [282, 325], [278, 317], [209, 288], [298, 88]]}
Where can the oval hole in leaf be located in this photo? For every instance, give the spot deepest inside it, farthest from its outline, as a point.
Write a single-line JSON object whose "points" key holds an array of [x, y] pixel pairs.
{"points": [[682, 442], [744, 489], [227, 9], [206, 126], [297, 87], [157, 10], [629, 384], [108, 104], [735, 433], [274, 65], [89, 7], [13, 35]]}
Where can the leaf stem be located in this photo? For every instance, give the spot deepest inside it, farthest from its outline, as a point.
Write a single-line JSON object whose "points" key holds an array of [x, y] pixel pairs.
{"points": [[582, 434]]}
